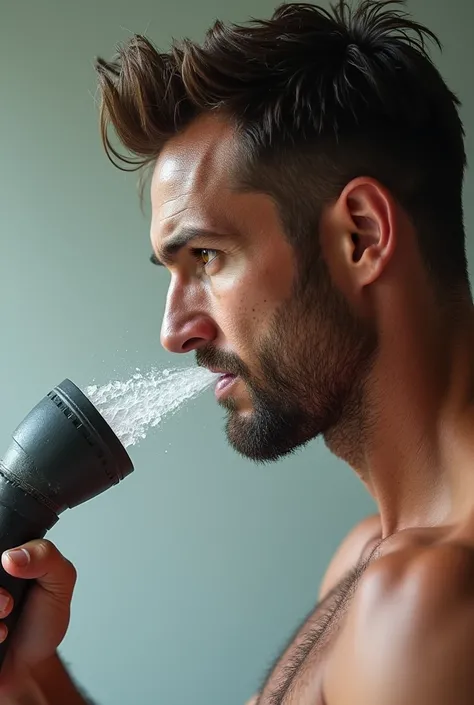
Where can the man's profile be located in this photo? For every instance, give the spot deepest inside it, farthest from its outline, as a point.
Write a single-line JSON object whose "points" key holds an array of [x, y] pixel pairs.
{"points": [[306, 190]]}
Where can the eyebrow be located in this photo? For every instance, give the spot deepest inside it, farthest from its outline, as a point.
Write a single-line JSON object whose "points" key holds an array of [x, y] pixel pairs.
{"points": [[179, 240]]}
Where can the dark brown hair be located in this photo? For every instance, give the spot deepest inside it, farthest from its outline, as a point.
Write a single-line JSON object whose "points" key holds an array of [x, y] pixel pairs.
{"points": [[317, 97]]}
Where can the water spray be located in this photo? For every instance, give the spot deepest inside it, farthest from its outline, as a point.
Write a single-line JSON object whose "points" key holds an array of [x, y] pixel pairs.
{"points": [[71, 447]]}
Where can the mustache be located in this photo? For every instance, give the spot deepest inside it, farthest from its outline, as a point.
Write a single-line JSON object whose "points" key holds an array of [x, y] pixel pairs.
{"points": [[211, 357]]}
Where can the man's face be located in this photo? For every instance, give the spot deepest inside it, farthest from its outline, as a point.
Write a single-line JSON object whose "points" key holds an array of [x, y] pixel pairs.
{"points": [[291, 352]]}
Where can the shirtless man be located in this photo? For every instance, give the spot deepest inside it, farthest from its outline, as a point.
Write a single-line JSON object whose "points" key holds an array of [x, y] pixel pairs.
{"points": [[306, 198]]}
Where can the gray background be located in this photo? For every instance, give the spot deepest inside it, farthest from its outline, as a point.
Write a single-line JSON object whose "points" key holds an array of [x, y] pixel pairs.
{"points": [[194, 571]]}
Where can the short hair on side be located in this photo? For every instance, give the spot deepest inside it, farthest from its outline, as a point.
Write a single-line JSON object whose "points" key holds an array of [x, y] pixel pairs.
{"points": [[318, 97]]}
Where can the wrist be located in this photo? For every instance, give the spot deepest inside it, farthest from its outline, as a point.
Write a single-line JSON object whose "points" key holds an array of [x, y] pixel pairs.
{"points": [[20, 685], [54, 683]]}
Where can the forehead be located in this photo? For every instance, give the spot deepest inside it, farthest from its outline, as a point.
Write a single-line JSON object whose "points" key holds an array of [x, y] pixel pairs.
{"points": [[193, 172]]}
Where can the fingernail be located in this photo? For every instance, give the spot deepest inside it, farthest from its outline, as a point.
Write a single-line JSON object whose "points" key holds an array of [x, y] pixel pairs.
{"points": [[19, 556], [4, 601]]}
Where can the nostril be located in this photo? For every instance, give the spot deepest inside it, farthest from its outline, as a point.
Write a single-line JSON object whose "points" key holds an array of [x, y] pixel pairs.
{"points": [[191, 344]]}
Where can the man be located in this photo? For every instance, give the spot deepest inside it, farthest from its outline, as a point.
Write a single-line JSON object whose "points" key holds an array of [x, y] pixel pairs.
{"points": [[307, 201]]}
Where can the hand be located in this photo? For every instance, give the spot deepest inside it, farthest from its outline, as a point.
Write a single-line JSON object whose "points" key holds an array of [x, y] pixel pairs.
{"points": [[45, 615]]}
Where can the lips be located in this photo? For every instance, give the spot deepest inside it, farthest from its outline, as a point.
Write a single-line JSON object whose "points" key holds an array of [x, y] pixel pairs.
{"points": [[223, 383]]}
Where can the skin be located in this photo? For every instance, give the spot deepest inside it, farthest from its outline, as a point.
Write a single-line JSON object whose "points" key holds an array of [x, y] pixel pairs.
{"points": [[405, 634], [415, 460], [248, 301], [31, 659]]}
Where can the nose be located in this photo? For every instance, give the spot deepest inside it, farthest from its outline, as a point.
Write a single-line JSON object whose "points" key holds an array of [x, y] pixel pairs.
{"points": [[193, 334], [183, 331]]}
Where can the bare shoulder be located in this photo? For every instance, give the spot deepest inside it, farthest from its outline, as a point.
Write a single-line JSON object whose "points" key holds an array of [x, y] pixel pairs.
{"points": [[408, 633], [421, 576], [349, 552]]}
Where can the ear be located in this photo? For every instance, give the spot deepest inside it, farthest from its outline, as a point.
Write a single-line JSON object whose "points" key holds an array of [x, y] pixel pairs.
{"points": [[361, 224]]}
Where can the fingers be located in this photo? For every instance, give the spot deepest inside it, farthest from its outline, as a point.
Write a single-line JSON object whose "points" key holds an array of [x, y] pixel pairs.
{"points": [[42, 561], [6, 606]]}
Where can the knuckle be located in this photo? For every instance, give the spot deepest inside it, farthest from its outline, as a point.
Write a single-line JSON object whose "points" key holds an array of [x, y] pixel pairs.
{"points": [[52, 560], [49, 552], [44, 549]]}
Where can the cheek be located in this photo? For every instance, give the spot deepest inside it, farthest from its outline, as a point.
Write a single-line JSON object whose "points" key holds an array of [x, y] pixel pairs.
{"points": [[245, 309]]}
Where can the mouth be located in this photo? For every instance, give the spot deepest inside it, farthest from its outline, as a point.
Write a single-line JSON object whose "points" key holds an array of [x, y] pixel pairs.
{"points": [[224, 383]]}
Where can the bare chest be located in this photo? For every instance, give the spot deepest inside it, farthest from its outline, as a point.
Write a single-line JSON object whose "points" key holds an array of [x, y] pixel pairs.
{"points": [[297, 677]]}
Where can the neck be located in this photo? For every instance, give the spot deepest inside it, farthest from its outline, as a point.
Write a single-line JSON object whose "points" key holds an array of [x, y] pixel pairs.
{"points": [[416, 456]]}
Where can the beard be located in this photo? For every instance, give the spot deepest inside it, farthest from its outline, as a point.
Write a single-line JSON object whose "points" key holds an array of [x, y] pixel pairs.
{"points": [[312, 367]]}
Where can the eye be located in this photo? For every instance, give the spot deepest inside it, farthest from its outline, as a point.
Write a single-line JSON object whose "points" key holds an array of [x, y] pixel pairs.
{"points": [[204, 256]]}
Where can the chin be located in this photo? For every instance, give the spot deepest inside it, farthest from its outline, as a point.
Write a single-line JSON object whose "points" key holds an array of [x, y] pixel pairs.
{"points": [[257, 442]]}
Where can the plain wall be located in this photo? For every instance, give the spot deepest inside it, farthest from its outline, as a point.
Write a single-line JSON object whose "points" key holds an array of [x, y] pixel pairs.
{"points": [[193, 572]]}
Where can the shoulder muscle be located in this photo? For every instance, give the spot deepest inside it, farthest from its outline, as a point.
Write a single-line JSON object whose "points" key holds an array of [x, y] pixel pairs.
{"points": [[408, 635]]}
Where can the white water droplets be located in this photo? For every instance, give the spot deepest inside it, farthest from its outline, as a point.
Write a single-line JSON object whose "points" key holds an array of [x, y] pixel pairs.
{"points": [[131, 408]]}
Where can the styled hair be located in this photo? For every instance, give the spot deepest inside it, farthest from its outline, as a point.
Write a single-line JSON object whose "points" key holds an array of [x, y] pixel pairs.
{"points": [[318, 97]]}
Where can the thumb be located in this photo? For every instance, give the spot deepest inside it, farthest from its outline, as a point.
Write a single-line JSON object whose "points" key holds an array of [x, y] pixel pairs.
{"points": [[41, 560]]}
